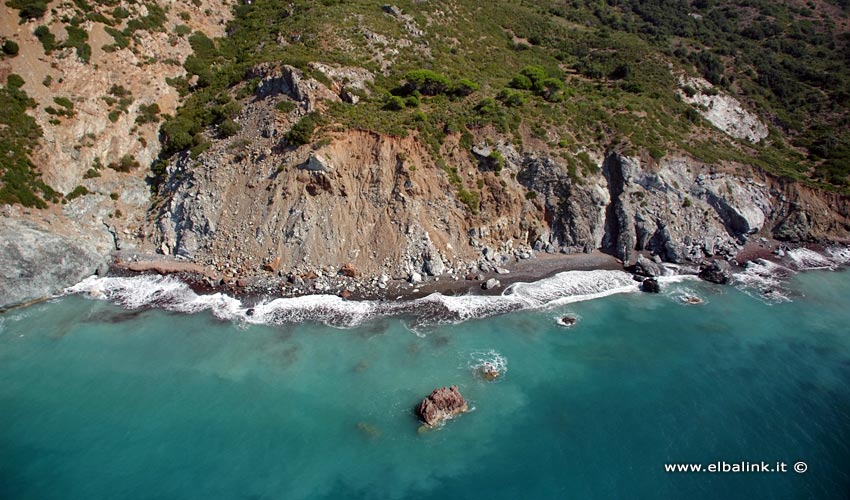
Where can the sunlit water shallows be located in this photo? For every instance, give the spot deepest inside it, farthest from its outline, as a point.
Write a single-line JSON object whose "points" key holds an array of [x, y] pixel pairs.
{"points": [[103, 402]]}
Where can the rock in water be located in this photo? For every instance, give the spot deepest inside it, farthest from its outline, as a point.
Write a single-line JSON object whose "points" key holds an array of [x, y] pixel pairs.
{"points": [[489, 371], [444, 403], [716, 271], [567, 320], [651, 285]]}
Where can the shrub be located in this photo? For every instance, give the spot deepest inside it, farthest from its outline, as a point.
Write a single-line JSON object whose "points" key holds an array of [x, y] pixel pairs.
{"points": [[551, 89], [29, 9], [148, 113], [497, 161], [427, 82], [125, 164], [464, 87], [535, 75], [10, 48], [47, 39], [520, 82], [228, 128], [76, 193], [472, 199], [302, 132], [77, 38], [511, 98], [411, 101], [394, 103], [285, 106]]}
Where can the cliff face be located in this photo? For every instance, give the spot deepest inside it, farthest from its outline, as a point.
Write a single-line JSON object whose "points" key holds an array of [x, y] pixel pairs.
{"points": [[250, 205]]}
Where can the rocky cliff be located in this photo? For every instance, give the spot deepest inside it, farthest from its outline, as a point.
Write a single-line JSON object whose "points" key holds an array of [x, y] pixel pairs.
{"points": [[254, 205]]}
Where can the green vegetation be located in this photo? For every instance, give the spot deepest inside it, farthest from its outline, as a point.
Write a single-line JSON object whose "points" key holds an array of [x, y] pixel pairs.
{"points": [[285, 106], [29, 9], [76, 193], [302, 132], [148, 113], [594, 74], [125, 164], [77, 38], [47, 39], [19, 133], [10, 48]]}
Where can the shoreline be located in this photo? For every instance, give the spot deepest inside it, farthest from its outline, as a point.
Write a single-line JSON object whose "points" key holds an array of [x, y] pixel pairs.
{"points": [[256, 289]]}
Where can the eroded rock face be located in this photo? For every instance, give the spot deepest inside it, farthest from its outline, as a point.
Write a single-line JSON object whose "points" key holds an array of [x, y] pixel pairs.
{"points": [[441, 405], [724, 111], [36, 263], [386, 206]]}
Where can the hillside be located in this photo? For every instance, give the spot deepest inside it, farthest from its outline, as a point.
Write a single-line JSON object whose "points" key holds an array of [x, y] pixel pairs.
{"points": [[424, 138]]}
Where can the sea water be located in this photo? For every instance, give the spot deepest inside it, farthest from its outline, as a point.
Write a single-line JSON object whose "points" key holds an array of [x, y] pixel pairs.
{"points": [[104, 401]]}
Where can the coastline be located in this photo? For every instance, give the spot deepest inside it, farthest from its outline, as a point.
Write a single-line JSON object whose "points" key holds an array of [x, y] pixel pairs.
{"points": [[254, 289], [257, 289]]}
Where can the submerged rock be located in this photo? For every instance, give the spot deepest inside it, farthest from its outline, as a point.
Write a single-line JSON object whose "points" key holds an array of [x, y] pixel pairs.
{"points": [[442, 404], [691, 299], [650, 285], [489, 371], [716, 271]]}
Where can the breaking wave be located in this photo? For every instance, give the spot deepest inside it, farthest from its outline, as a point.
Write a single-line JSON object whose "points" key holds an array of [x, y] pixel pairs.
{"points": [[169, 293], [762, 279], [765, 280]]}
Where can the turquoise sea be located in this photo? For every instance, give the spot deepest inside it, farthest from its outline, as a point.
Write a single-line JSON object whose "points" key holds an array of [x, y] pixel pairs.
{"points": [[99, 401]]}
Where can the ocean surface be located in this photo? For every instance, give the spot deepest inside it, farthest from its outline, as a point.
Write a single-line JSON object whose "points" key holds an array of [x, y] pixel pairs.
{"points": [[104, 396]]}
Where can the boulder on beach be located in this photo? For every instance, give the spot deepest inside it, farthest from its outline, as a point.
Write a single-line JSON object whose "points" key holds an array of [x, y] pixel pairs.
{"points": [[442, 404], [648, 268], [490, 284], [650, 285], [716, 271], [349, 271]]}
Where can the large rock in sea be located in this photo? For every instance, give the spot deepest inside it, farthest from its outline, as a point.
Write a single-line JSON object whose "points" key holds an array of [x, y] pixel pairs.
{"points": [[650, 285], [716, 271], [442, 404]]}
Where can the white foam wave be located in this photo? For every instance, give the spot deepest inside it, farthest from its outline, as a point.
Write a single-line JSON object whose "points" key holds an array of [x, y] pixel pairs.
{"points": [[839, 254], [764, 279], [803, 258], [169, 293], [483, 363]]}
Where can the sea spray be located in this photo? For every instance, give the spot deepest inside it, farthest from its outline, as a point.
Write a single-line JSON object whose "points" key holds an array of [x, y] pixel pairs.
{"points": [[170, 293]]}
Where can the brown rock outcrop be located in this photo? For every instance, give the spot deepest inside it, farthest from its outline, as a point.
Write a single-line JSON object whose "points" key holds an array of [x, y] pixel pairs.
{"points": [[442, 404]]}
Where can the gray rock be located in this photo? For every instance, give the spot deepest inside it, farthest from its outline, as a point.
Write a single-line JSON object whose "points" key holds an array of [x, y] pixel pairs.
{"points": [[316, 163], [491, 284], [646, 267], [650, 285], [716, 271], [35, 264]]}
